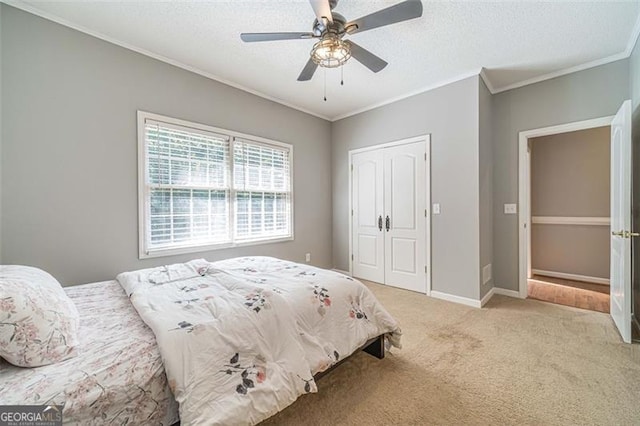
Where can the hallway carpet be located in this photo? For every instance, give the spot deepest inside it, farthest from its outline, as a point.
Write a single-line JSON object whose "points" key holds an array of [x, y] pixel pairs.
{"points": [[514, 362], [593, 297]]}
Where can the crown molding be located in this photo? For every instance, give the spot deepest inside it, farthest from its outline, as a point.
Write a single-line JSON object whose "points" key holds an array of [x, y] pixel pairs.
{"points": [[18, 4], [487, 81], [437, 85], [635, 35], [559, 73], [633, 40]]}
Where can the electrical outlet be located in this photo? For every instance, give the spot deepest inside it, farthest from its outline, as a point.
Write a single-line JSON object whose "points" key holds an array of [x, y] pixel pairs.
{"points": [[308, 257], [510, 209], [436, 208]]}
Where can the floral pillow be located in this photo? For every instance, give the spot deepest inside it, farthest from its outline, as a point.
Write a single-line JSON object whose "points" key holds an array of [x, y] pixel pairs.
{"points": [[38, 321]]}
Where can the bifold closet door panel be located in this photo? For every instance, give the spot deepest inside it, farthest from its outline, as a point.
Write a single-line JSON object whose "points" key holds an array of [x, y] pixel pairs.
{"points": [[405, 204], [367, 221]]}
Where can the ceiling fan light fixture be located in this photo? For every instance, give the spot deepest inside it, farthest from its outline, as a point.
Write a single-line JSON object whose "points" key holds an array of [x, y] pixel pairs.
{"points": [[330, 52]]}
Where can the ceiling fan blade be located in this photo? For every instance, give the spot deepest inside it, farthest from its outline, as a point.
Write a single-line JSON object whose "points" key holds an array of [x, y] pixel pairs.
{"points": [[366, 58], [308, 70], [322, 9], [252, 37], [397, 13]]}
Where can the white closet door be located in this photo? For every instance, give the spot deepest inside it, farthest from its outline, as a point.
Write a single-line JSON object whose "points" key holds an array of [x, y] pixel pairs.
{"points": [[405, 204], [368, 203]]}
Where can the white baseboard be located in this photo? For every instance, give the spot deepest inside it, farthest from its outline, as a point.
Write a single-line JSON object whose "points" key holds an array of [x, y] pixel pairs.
{"points": [[456, 299], [507, 292], [574, 277], [342, 272], [487, 296]]}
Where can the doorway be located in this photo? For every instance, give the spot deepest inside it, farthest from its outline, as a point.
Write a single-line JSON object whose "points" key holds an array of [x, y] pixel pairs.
{"points": [[620, 210], [389, 222], [570, 205]]}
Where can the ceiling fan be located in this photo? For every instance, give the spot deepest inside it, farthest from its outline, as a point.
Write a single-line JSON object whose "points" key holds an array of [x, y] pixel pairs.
{"points": [[330, 27]]}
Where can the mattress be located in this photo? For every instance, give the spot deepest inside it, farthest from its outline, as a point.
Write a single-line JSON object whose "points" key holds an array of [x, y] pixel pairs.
{"points": [[117, 378]]}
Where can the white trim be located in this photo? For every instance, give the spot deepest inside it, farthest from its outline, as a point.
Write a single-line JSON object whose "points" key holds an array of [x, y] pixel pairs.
{"points": [[499, 291], [427, 140], [524, 187], [406, 141], [565, 71], [506, 292], [340, 271], [573, 277], [46, 15], [487, 81], [456, 299], [635, 35], [487, 297], [143, 189], [424, 89], [566, 220], [19, 4]]}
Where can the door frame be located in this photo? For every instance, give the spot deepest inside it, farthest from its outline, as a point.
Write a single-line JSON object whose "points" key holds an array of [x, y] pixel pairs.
{"points": [[426, 138], [524, 189]]}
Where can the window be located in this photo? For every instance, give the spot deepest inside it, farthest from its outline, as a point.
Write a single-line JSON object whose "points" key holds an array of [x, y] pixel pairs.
{"points": [[202, 188]]}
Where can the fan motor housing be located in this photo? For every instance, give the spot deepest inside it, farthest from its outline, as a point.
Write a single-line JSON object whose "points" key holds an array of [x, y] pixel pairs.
{"points": [[337, 26]]}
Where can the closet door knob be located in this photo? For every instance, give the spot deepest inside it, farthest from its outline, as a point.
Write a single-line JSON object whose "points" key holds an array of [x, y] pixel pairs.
{"points": [[618, 234], [387, 223], [380, 222]]}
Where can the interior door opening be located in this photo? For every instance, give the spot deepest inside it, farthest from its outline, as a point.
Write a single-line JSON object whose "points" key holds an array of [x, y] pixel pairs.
{"points": [[570, 218], [574, 218]]}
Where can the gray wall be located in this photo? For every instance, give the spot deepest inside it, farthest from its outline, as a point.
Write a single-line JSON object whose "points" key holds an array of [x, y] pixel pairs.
{"points": [[1, 136], [69, 167], [486, 183], [571, 249], [592, 93], [570, 173], [450, 115], [570, 177], [634, 72]]}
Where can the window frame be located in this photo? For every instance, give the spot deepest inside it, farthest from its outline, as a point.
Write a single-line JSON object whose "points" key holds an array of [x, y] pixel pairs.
{"points": [[144, 205]]}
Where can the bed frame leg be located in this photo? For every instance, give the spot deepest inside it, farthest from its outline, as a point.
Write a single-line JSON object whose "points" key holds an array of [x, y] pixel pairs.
{"points": [[376, 348]]}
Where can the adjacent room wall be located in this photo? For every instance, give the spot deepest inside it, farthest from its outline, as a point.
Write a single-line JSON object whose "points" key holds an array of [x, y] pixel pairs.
{"points": [[592, 93], [69, 166], [450, 115], [486, 186], [571, 177], [634, 72]]}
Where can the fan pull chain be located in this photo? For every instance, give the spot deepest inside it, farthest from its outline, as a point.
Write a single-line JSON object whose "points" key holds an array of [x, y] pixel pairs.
{"points": [[325, 84], [342, 75]]}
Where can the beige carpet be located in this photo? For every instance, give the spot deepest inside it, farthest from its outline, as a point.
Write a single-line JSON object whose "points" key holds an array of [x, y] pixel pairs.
{"points": [[512, 362]]}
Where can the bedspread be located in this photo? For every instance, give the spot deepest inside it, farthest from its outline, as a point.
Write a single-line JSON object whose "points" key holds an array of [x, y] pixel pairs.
{"points": [[242, 338], [118, 376]]}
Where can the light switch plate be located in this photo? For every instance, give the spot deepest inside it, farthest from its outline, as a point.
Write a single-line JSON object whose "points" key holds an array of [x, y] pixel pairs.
{"points": [[436, 208], [510, 209]]}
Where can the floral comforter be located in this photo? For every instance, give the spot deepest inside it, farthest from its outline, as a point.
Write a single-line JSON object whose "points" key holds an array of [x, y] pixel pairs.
{"points": [[242, 338], [117, 377]]}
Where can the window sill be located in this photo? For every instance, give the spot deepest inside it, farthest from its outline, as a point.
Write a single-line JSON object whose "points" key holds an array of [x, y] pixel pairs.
{"points": [[172, 251]]}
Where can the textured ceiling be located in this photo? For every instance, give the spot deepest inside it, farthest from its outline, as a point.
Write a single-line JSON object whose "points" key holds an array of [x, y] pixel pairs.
{"points": [[514, 41]]}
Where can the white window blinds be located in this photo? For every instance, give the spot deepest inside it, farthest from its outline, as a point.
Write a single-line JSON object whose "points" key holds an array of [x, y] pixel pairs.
{"points": [[261, 180], [188, 179], [203, 188]]}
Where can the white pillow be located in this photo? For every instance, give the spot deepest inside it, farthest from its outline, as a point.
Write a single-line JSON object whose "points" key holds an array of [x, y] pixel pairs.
{"points": [[38, 322]]}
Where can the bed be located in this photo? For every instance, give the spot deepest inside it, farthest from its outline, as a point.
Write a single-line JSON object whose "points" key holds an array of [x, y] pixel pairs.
{"points": [[118, 378], [233, 342]]}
